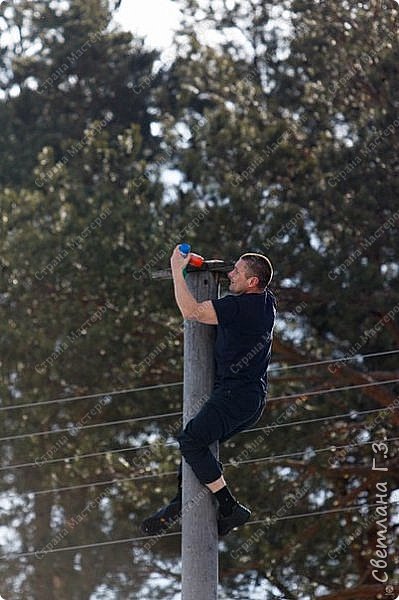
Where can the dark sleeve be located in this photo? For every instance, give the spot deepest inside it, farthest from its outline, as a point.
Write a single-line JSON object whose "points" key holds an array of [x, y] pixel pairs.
{"points": [[227, 309]]}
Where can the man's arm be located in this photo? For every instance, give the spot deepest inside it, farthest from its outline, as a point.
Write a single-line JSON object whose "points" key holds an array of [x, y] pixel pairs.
{"points": [[203, 312]]}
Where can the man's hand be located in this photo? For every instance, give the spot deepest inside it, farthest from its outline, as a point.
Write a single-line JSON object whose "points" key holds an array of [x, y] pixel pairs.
{"points": [[203, 312], [178, 261]]}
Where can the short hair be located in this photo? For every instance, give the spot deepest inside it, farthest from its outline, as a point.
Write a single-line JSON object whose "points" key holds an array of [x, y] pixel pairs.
{"points": [[258, 265]]}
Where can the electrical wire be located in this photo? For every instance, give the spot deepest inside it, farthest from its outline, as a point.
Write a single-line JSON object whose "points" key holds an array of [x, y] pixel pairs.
{"points": [[309, 451], [75, 428], [331, 448], [236, 463], [351, 414], [90, 396], [321, 512], [332, 360], [91, 484], [18, 555], [332, 390], [38, 462], [163, 385]]}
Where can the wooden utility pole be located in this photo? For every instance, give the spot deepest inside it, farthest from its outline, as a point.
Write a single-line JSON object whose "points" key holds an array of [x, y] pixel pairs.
{"points": [[199, 527]]}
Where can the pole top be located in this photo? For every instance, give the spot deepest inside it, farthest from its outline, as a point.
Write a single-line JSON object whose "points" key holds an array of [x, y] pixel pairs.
{"points": [[215, 265]]}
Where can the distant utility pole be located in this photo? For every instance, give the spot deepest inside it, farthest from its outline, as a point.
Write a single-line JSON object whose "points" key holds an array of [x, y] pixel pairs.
{"points": [[199, 527]]}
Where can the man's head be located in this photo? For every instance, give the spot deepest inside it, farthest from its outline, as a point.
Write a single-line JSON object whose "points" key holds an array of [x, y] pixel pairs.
{"points": [[252, 273]]}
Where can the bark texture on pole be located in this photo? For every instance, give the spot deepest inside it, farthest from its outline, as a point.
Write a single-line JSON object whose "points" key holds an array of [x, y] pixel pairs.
{"points": [[199, 528]]}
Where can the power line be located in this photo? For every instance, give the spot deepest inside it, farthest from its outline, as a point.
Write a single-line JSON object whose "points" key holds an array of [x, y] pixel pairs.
{"points": [[230, 464], [351, 414], [310, 451], [102, 483], [332, 360], [321, 512], [92, 484], [90, 396], [67, 458], [267, 521], [76, 428], [39, 462], [332, 390], [176, 383]]}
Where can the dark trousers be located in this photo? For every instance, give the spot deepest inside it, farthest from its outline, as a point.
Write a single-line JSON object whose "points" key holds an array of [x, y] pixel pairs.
{"points": [[227, 412]]}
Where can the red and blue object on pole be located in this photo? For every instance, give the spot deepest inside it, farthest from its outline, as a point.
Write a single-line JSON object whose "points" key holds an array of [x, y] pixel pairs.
{"points": [[196, 260]]}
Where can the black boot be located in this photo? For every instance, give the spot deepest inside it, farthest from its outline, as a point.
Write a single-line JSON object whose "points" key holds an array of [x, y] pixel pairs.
{"points": [[239, 515], [166, 516]]}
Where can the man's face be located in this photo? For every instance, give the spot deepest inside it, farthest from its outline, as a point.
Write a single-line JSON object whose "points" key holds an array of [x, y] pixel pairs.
{"points": [[239, 282]]}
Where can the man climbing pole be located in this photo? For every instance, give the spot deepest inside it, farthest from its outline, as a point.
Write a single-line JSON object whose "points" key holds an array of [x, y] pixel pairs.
{"points": [[245, 320]]}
